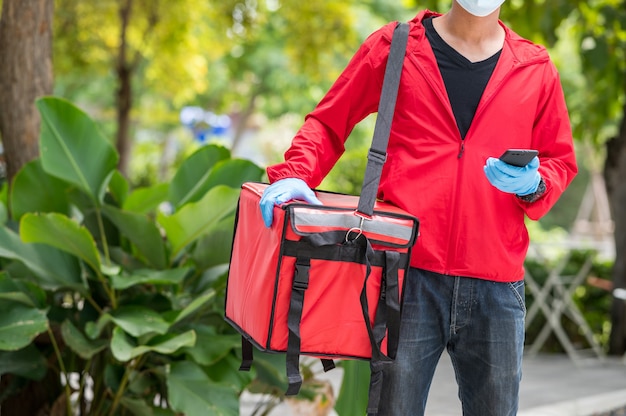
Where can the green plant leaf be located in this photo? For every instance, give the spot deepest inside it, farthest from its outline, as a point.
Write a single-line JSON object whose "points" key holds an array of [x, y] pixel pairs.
{"points": [[148, 276], [145, 200], [196, 219], [210, 346], [19, 325], [191, 392], [33, 190], [134, 319], [189, 182], [194, 305], [73, 148], [118, 187], [158, 411], [270, 373], [59, 231], [53, 269], [23, 292], [124, 348], [27, 362], [233, 173], [226, 371], [142, 232], [353, 395], [138, 320], [4, 214], [212, 250], [79, 343], [137, 407]]}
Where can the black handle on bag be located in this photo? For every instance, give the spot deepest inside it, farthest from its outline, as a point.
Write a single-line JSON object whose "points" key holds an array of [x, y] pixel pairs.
{"points": [[378, 152]]}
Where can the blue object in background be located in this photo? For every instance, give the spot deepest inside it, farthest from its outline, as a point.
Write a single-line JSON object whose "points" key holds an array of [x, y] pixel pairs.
{"points": [[204, 124]]}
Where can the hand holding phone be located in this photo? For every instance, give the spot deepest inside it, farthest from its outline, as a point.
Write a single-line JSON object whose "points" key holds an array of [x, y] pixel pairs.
{"points": [[515, 172]]}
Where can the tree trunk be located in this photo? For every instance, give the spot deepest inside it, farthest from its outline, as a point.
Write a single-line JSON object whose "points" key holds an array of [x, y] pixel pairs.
{"points": [[242, 121], [25, 75], [614, 173], [124, 92]]}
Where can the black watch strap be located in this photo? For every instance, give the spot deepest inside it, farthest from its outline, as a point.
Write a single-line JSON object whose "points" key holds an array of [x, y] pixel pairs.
{"points": [[541, 189]]}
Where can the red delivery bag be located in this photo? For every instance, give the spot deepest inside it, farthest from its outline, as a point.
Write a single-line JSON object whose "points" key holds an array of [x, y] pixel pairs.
{"points": [[309, 281]]}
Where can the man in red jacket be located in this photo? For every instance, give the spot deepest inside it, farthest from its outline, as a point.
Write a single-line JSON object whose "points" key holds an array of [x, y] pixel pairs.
{"points": [[470, 89]]}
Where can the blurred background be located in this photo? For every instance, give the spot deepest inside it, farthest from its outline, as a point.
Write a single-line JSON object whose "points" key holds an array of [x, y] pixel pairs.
{"points": [[162, 79]]}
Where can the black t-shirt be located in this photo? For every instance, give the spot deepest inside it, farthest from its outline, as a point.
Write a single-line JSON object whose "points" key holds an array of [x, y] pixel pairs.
{"points": [[465, 81]]}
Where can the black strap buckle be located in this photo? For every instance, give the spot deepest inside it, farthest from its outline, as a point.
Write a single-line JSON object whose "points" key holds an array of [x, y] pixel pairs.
{"points": [[377, 156], [301, 276]]}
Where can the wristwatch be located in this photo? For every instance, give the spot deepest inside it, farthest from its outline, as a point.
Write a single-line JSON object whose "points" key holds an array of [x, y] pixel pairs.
{"points": [[541, 189]]}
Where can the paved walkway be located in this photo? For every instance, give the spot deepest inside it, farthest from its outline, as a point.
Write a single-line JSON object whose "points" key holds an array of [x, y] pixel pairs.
{"points": [[552, 385]]}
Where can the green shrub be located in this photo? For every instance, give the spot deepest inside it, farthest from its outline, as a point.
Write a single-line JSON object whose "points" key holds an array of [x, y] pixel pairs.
{"points": [[119, 290]]}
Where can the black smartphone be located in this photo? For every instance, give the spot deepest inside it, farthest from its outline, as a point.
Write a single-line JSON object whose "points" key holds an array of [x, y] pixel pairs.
{"points": [[518, 157]]}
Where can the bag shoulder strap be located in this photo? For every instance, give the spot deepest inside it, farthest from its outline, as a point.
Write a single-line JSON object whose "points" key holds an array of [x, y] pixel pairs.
{"points": [[386, 106]]}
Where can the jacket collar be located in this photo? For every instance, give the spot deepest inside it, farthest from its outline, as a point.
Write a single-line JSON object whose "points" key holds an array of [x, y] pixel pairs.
{"points": [[519, 50]]}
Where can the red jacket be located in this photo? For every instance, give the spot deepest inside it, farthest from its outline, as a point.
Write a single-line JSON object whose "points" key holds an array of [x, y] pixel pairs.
{"points": [[467, 226]]}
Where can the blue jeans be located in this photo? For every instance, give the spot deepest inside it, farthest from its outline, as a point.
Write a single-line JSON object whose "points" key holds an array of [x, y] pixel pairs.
{"points": [[480, 322]]}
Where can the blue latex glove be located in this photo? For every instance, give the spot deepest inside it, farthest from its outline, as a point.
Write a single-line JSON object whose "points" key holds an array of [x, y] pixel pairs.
{"points": [[513, 179], [282, 191]]}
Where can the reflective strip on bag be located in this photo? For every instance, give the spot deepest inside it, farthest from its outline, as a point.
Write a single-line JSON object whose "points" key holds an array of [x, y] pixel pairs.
{"points": [[382, 228]]}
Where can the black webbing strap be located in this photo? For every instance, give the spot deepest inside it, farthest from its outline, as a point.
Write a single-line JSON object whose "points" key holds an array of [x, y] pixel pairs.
{"points": [[247, 355], [327, 364], [299, 286], [386, 322], [378, 152], [392, 301], [296, 305], [369, 190], [343, 253]]}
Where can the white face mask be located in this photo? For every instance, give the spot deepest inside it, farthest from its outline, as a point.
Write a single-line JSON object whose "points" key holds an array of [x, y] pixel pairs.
{"points": [[480, 8]]}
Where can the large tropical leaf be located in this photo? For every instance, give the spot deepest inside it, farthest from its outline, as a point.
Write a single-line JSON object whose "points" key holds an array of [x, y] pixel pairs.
{"points": [[233, 173], [270, 373], [53, 268], [119, 187], [189, 182], [59, 231], [211, 346], [4, 213], [23, 316], [353, 397], [124, 348], [79, 343], [134, 319], [145, 200], [34, 190], [142, 232], [19, 325], [214, 248], [191, 392], [194, 305], [137, 407], [196, 219], [152, 277], [226, 372], [73, 149], [23, 292], [27, 362]]}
